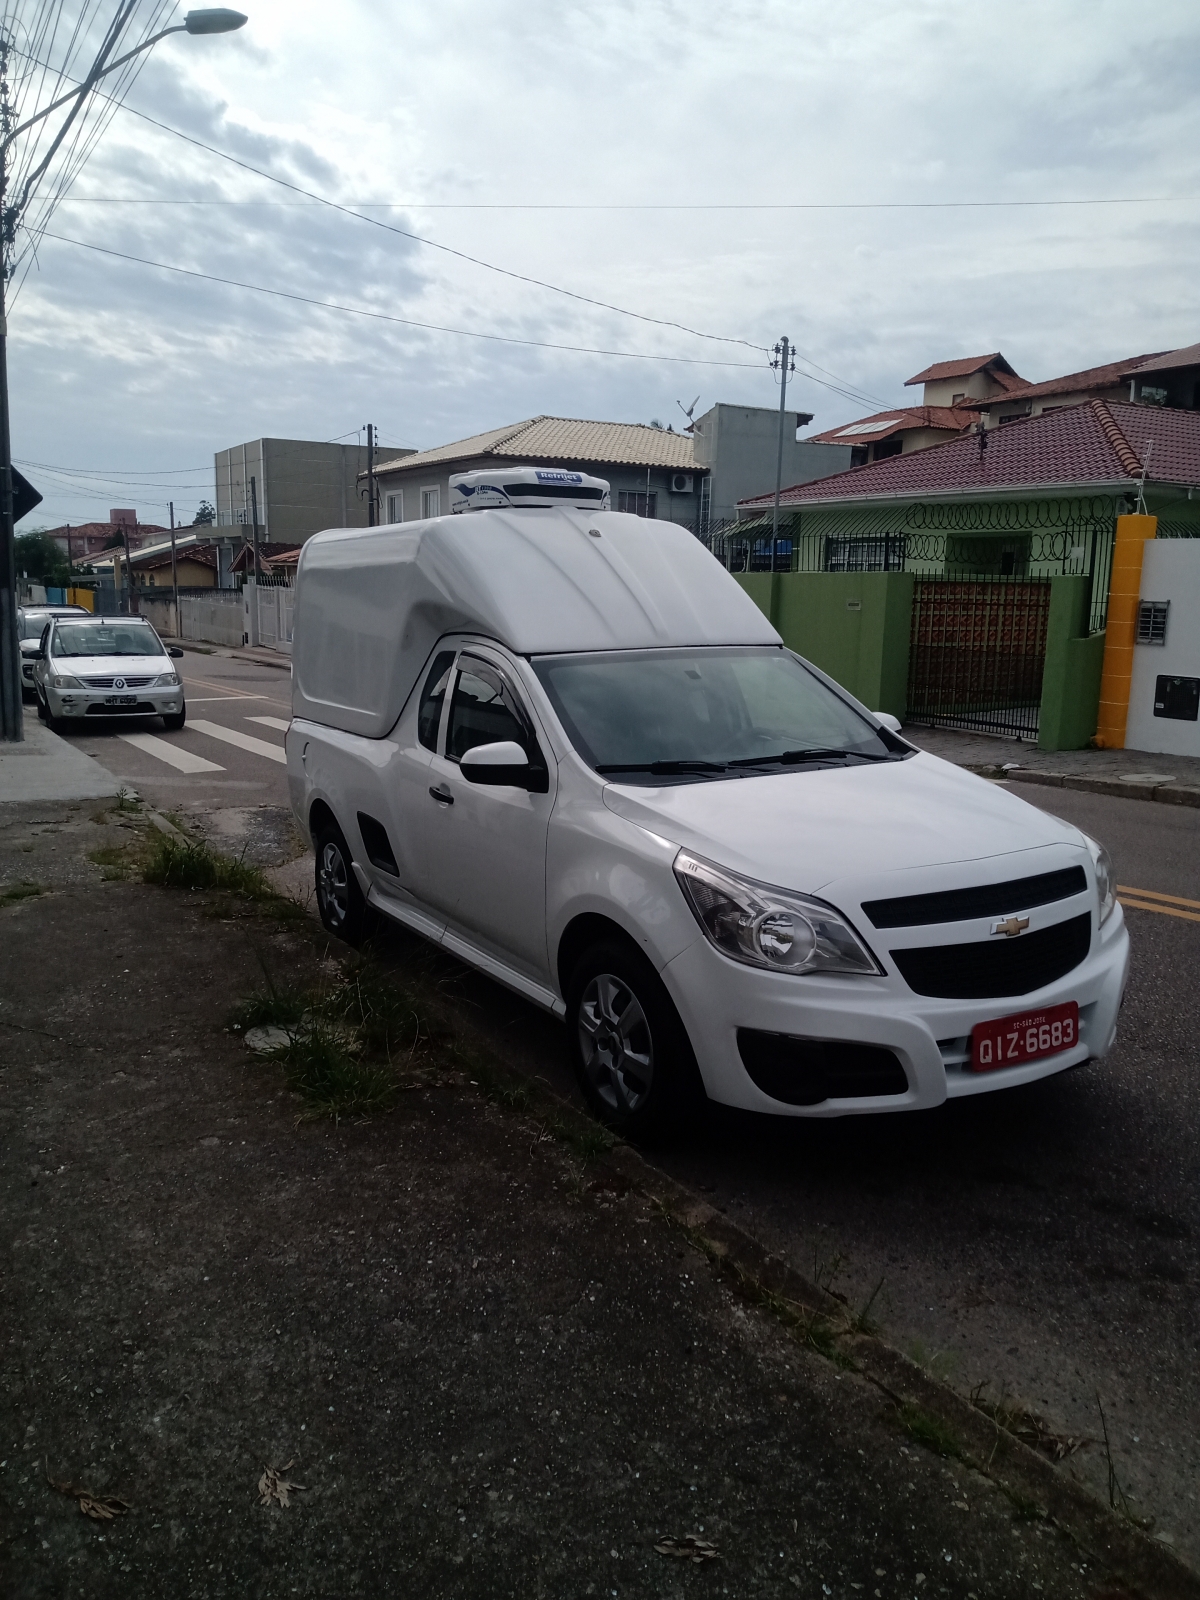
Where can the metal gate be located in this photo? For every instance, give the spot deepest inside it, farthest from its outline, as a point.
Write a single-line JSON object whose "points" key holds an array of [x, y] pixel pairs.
{"points": [[977, 653]]}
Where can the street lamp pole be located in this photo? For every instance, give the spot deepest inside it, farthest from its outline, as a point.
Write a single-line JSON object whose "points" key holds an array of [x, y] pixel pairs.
{"points": [[210, 20]]}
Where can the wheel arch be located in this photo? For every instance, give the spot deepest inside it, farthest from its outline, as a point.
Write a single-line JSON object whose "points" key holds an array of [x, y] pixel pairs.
{"points": [[320, 815], [583, 930]]}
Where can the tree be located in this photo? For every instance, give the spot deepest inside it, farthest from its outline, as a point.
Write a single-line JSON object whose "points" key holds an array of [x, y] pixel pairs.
{"points": [[40, 559], [206, 515]]}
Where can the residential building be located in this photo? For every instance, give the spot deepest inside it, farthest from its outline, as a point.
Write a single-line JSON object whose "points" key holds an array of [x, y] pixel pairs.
{"points": [[739, 445], [942, 414], [1164, 378], [651, 471], [81, 541], [272, 558], [301, 486]]}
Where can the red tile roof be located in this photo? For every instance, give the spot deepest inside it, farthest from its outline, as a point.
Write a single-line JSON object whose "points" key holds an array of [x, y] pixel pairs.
{"points": [[1108, 376], [1082, 446], [205, 554], [1189, 356], [963, 368], [903, 418]]}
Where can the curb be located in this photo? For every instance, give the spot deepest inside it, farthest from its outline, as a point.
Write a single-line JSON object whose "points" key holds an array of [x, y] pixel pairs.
{"points": [[1169, 794], [1017, 1469], [198, 647]]}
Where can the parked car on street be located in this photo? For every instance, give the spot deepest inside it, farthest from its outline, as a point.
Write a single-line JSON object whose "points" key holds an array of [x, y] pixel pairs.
{"points": [[31, 624], [105, 667], [564, 743]]}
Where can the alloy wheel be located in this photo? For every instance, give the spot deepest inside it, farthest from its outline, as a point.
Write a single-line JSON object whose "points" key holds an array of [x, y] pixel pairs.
{"points": [[615, 1043], [333, 883]]}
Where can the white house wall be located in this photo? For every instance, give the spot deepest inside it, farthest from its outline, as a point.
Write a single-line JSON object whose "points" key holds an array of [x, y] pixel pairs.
{"points": [[1170, 571]]}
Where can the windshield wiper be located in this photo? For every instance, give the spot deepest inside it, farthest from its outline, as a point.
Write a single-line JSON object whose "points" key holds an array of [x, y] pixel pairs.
{"points": [[789, 758], [662, 768]]}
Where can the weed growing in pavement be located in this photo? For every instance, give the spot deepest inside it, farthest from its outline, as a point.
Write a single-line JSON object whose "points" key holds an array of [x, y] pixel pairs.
{"points": [[1117, 1498], [192, 864], [1025, 1425], [117, 861], [318, 1066], [383, 1015], [864, 1322], [13, 893], [826, 1267], [126, 801], [929, 1431], [265, 1008], [1024, 1509]]}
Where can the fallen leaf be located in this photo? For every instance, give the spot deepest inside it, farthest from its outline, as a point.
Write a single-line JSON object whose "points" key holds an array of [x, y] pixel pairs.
{"points": [[100, 1507], [273, 1486], [689, 1548]]}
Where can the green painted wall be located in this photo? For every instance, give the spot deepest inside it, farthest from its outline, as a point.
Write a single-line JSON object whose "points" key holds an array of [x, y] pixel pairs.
{"points": [[1074, 658], [853, 625]]}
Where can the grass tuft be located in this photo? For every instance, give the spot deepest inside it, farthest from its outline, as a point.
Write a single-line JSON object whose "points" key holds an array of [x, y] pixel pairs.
{"points": [[335, 1083], [192, 864], [383, 1016], [928, 1431], [14, 893]]}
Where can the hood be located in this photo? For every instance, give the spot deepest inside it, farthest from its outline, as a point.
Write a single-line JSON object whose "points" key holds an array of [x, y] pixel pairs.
{"points": [[879, 830], [111, 666]]}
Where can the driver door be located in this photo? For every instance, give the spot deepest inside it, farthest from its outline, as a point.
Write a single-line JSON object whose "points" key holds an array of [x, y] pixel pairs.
{"points": [[485, 847]]}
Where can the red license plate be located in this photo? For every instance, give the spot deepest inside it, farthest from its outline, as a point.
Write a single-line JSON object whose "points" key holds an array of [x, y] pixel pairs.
{"points": [[1027, 1036]]}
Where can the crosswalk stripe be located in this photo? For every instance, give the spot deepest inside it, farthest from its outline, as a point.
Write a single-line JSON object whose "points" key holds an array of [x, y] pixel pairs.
{"points": [[258, 747], [271, 722], [173, 754]]}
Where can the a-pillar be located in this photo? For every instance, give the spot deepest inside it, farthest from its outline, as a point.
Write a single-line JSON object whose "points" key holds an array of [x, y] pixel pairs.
{"points": [[1124, 590]]}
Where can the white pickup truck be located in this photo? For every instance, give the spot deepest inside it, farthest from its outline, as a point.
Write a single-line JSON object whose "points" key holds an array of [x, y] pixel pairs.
{"points": [[564, 744]]}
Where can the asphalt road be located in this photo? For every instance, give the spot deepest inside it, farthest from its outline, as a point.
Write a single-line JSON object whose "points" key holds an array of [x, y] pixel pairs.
{"points": [[1044, 1242]]}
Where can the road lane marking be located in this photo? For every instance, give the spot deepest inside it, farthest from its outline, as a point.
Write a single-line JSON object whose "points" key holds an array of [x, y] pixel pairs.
{"points": [[212, 699], [1153, 894], [1166, 911], [271, 722], [173, 754], [258, 747]]}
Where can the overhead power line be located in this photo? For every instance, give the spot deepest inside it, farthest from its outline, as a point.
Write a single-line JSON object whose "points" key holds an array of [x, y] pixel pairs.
{"points": [[628, 205]]}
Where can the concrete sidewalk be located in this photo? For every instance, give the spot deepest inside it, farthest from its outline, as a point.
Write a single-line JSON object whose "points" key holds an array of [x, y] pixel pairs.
{"points": [[45, 767], [495, 1372]]}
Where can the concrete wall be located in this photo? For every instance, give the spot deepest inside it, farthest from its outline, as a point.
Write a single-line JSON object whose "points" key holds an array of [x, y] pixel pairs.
{"points": [[410, 481], [303, 486], [853, 625], [1074, 661], [1170, 571], [739, 445]]}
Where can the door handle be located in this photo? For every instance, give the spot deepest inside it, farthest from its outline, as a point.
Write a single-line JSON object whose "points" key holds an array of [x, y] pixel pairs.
{"points": [[442, 796]]}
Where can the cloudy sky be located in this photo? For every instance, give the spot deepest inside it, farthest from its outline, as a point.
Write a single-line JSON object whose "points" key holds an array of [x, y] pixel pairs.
{"points": [[745, 169]]}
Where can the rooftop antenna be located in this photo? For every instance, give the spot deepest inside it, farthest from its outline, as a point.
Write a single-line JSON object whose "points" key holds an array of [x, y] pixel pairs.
{"points": [[1141, 495], [689, 412]]}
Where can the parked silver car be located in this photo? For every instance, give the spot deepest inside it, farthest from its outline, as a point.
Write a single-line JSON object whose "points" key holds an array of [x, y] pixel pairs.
{"points": [[106, 667], [31, 625]]}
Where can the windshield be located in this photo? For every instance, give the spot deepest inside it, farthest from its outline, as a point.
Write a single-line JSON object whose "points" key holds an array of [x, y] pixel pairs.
{"points": [[118, 638], [695, 713]]}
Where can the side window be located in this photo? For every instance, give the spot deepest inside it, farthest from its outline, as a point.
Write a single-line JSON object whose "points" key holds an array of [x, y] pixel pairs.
{"points": [[484, 710], [45, 637], [429, 711]]}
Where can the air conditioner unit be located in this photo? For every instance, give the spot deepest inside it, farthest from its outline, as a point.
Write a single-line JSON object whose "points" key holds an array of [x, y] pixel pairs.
{"points": [[681, 483]]}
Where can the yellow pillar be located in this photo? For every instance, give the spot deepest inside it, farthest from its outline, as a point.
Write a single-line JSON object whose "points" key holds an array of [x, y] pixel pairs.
{"points": [[1121, 628]]}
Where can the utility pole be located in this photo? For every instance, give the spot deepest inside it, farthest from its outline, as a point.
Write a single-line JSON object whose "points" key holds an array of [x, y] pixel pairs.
{"points": [[785, 361], [254, 528], [128, 584], [68, 555], [371, 519], [174, 572]]}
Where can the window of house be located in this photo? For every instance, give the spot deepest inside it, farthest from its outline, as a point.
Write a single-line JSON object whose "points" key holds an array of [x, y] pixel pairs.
{"points": [[395, 506], [431, 502], [639, 502], [889, 447], [955, 398]]}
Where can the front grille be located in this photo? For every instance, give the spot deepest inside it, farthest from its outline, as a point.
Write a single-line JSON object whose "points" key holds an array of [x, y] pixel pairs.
{"points": [[987, 900], [987, 969], [143, 708], [803, 1072], [107, 683]]}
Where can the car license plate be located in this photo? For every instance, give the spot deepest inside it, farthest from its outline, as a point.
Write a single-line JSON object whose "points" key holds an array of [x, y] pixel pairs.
{"points": [[1026, 1036], [120, 699]]}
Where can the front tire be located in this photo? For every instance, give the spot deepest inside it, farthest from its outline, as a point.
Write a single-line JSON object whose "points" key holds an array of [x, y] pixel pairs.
{"points": [[175, 721], [631, 1053], [340, 901]]}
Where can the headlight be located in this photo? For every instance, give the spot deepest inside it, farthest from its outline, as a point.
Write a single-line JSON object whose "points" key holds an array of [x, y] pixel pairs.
{"points": [[63, 680], [767, 927], [1106, 886], [167, 680]]}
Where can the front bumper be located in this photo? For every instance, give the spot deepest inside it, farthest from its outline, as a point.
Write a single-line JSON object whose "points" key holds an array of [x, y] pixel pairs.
{"points": [[930, 1037], [93, 704]]}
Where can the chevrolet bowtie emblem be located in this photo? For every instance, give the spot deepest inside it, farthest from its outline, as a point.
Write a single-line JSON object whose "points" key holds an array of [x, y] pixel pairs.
{"points": [[1011, 926]]}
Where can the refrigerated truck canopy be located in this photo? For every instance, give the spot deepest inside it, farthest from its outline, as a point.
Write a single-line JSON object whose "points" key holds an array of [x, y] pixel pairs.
{"points": [[371, 603]]}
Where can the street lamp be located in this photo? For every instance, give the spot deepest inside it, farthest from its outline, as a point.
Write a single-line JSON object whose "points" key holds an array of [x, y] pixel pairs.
{"points": [[212, 19]]}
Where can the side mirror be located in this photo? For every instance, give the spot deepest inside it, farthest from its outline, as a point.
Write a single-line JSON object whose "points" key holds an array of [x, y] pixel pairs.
{"points": [[173, 650], [891, 723], [503, 763]]}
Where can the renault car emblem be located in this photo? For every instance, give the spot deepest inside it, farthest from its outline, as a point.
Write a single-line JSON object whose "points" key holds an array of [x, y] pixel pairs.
{"points": [[1011, 926], [118, 683]]}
